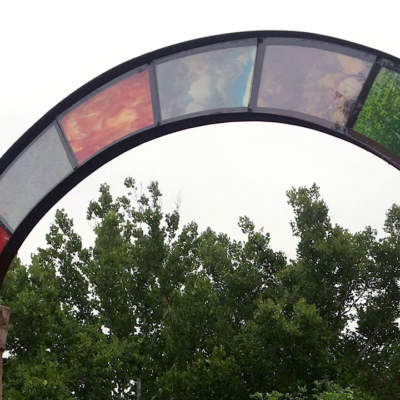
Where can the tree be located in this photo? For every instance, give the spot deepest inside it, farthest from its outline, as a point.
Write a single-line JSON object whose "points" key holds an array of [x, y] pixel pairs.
{"points": [[195, 315]]}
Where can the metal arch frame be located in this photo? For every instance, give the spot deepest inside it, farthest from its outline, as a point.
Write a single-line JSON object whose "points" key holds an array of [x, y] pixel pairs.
{"points": [[159, 129]]}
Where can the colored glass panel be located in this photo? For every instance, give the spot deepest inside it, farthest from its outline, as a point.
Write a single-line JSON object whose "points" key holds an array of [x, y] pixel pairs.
{"points": [[37, 170], [313, 81], [116, 111], [4, 236], [379, 118], [216, 79]]}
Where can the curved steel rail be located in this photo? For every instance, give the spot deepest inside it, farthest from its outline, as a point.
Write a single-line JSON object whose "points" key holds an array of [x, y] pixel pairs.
{"points": [[347, 91]]}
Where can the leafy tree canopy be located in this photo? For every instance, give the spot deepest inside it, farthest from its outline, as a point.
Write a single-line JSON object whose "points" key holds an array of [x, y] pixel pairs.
{"points": [[155, 310]]}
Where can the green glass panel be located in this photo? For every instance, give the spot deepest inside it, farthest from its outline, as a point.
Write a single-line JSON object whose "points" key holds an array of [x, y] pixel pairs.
{"points": [[379, 118]]}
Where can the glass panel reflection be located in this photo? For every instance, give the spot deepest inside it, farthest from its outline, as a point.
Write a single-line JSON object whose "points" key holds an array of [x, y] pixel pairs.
{"points": [[41, 166], [379, 118], [4, 236], [313, 81], [219, 78], [114, 112]]}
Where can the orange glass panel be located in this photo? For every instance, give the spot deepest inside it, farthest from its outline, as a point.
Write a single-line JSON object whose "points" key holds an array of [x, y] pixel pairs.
{"points": [[4, 236], [116, 111]]}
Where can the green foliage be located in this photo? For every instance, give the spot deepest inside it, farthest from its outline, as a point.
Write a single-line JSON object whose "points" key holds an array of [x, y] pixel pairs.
{"points": [[198, 315], [320, 390]]}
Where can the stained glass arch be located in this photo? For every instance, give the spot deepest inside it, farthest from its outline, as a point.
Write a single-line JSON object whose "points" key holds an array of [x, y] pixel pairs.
{"points": [[337, 87]]}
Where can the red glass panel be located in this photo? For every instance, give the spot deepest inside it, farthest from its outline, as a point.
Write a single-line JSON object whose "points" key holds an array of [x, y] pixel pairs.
{"points": [[4, 236]]}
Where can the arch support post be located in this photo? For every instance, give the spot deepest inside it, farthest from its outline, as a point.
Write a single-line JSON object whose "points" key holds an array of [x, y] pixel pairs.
{"points": [[4, 318]]}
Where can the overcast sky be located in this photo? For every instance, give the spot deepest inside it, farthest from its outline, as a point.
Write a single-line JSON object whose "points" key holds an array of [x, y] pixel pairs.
{"points": [[216, 173]]}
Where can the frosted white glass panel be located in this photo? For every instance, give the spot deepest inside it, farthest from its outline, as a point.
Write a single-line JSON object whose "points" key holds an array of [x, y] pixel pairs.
{"points": [[37, 170]]}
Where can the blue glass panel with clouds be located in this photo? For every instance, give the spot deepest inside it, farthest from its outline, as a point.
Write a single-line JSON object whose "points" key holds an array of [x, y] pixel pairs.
{"points": [[214, 79]]}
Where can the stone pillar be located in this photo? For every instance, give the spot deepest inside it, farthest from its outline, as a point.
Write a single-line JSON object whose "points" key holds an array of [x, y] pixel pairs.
{"points": [[4, 318]]}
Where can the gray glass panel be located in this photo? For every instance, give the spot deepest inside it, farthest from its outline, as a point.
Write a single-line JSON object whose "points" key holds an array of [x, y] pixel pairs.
{"points": [[37, 170], [215, 79], [321, 83]]}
